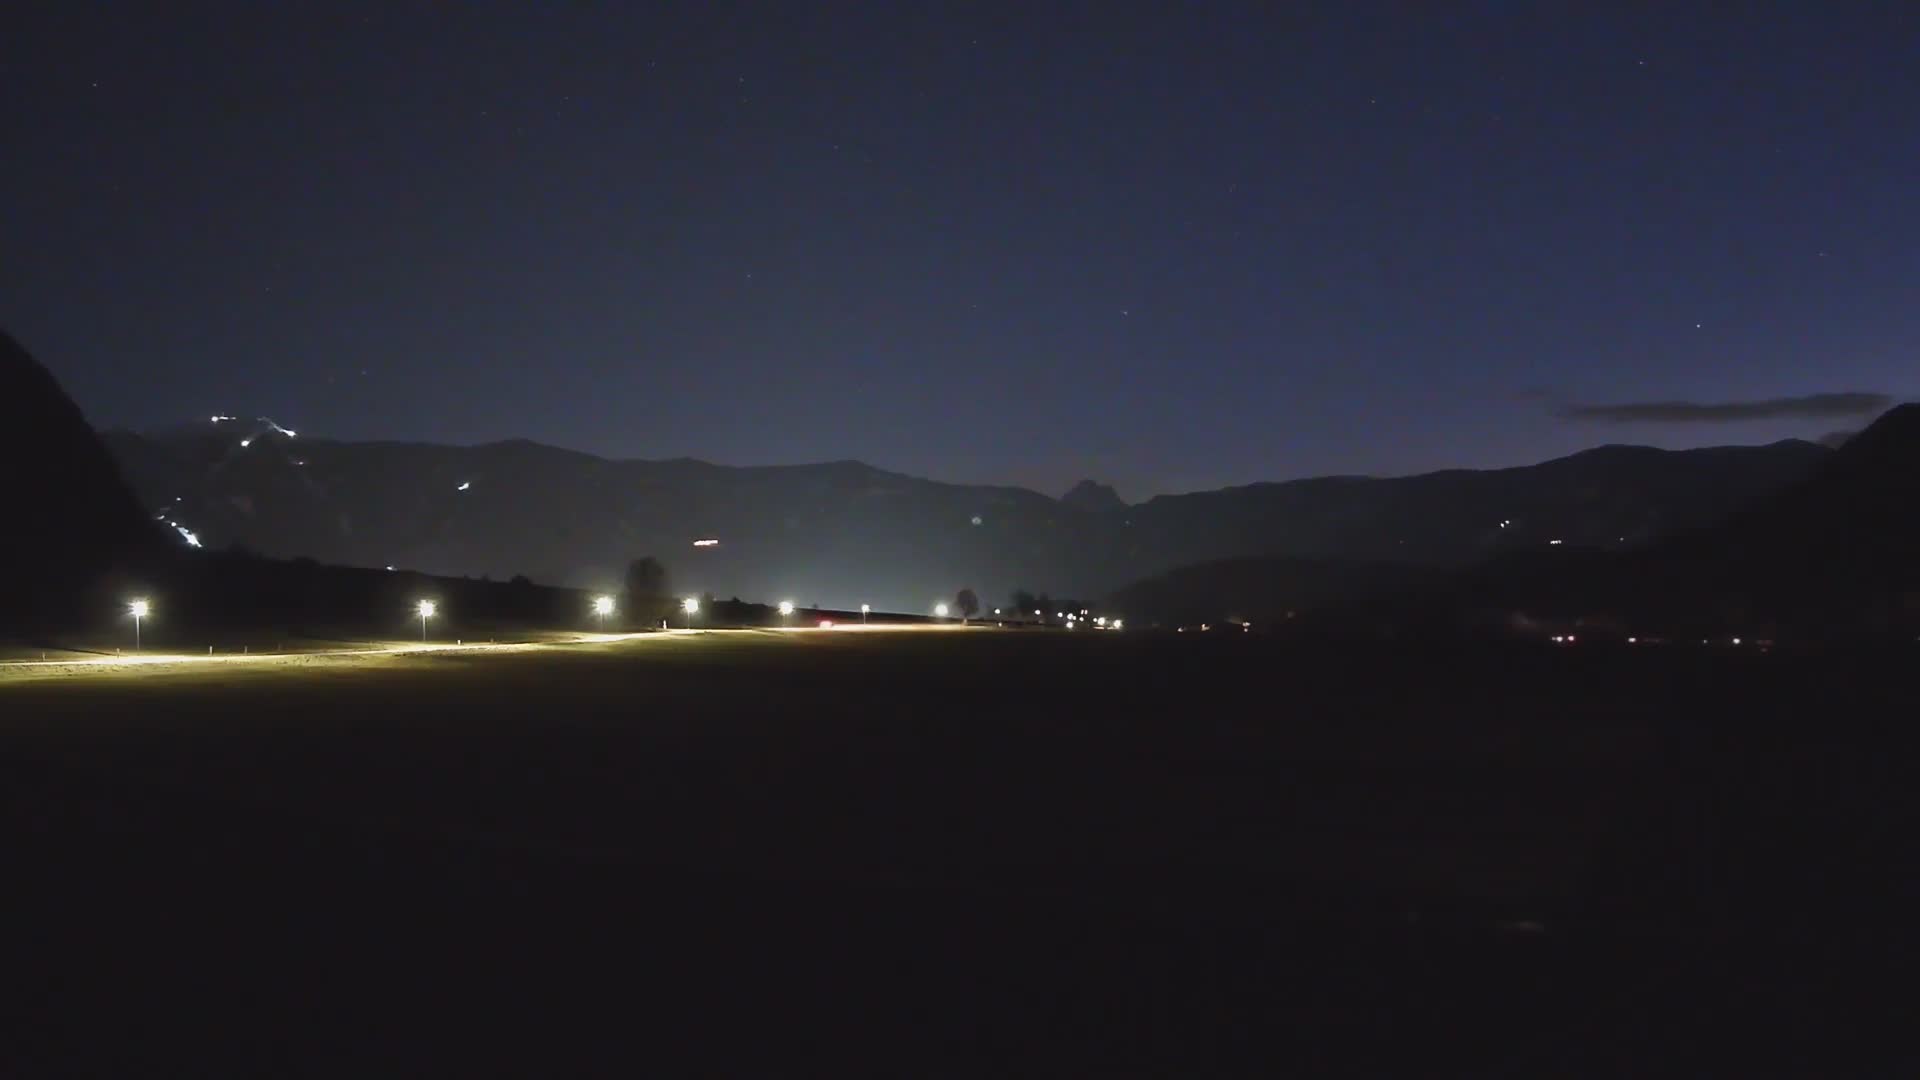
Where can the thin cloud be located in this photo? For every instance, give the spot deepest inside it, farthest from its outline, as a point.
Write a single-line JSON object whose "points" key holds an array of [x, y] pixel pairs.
{"points": [[1722, 412]]}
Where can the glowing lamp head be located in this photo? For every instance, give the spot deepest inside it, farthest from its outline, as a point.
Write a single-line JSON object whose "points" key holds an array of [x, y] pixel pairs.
{"points": [[864, 608], [940, 610], [690, 606], [786, 607], [428, 609], [138, 609], [603, 605]]}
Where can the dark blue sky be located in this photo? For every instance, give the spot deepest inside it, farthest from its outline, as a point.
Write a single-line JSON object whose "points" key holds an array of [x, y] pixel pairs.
{"points": [[1169, 247]]}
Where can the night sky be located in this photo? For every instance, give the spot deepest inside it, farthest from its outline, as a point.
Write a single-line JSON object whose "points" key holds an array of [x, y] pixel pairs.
{"points": [[1168, 249]]}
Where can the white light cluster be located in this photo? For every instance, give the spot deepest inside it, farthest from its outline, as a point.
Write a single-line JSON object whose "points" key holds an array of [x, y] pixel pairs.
{"points": [[192, 538]]}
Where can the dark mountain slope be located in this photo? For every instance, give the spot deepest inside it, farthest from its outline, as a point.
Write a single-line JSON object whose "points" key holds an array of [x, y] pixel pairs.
{"points": [[1831, 554], [71, 522]]}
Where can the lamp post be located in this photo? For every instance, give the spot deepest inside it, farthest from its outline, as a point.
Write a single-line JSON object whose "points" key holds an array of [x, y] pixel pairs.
{"points": [[602, 607], [138, 609], [427, 611], [692, 607], [786, 611], [864, 608]]}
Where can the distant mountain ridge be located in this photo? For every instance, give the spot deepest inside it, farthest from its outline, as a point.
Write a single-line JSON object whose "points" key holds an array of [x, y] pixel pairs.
{"points": [[846, 532], [1828, 555], [1093, 497]]}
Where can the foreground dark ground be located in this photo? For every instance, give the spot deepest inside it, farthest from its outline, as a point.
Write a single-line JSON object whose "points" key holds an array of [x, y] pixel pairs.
{"points": [[965, 853]]}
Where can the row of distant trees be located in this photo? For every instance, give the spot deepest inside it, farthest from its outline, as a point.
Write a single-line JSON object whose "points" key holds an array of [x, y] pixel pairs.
{"points": [[1026, 603]]}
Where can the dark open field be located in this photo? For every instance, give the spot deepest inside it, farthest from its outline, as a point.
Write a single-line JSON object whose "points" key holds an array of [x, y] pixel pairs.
{"points": [[962, 854]]}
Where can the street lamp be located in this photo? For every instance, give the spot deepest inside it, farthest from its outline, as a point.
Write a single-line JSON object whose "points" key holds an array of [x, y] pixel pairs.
{"points": [[602, 607], [428, 609], [692, 607], [939, 611], [863, 613], [786, 610], [138, 609]]}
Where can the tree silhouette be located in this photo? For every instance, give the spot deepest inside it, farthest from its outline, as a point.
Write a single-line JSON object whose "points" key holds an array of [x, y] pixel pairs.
{"points": [[1024, 602], [646, 585], [967, 603]]}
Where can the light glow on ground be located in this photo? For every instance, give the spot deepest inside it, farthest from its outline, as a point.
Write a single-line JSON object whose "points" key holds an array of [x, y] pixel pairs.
{"points": [[123, 662]]}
